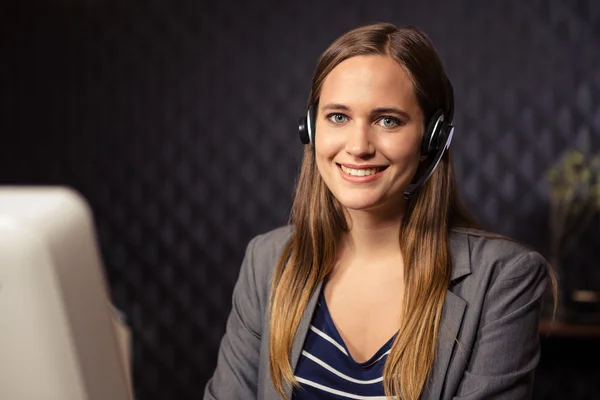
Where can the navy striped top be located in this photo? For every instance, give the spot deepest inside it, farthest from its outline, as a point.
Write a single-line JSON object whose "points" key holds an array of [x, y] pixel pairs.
{"points": [[326, 370]]}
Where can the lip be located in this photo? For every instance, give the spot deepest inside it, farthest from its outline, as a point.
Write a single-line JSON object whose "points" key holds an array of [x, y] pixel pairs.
{"points": [[361, 166], [360, 179]]}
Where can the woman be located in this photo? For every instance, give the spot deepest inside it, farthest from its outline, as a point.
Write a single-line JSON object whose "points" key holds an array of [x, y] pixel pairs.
{"points": [[381, 286]]}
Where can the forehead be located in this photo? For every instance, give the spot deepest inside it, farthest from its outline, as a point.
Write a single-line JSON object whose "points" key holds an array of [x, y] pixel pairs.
{"points": [[370, 81]]}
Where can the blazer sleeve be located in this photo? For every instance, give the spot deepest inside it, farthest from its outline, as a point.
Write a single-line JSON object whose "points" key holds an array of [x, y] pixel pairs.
{"points": [[236, 373], [507, 349]]}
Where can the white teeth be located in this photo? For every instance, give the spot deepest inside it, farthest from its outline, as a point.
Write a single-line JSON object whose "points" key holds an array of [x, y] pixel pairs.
{"points": [[359, 172]]}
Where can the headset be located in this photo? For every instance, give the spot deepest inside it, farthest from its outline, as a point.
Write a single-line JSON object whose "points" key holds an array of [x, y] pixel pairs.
{"points": [[436, 140]]}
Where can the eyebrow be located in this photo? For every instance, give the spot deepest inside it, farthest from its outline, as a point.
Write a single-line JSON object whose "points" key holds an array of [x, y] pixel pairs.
{"points": [[378, 110], [334, 106], [391, 110]]}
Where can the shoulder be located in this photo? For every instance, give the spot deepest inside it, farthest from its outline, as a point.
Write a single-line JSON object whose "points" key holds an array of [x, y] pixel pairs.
{"points": [[262, 254], [264, 250], [269, 245], [493, 256], [499, 276]]}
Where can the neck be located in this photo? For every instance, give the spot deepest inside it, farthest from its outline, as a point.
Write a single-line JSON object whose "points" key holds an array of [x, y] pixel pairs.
{"points": [[372, 236]]}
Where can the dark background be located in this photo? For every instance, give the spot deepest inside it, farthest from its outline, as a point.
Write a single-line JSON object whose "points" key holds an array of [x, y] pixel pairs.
{"points": [[177, 120]]}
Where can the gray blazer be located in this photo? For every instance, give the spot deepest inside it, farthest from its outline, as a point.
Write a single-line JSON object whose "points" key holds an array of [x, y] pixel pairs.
{"points": [[488, 344]]}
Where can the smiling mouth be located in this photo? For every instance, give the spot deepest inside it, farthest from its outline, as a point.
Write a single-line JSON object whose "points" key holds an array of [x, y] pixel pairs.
{"points": [[361, 171]]}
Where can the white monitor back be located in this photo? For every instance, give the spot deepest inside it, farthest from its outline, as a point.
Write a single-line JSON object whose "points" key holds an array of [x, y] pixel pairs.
{"points": [[57, 340]]}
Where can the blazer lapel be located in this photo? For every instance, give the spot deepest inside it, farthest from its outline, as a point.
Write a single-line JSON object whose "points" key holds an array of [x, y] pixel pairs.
{"points": [[303, 331], [452, 317]]}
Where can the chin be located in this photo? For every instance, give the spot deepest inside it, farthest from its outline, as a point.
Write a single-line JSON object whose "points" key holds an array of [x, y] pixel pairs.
{"points": [[371, 203], [359, 204]]}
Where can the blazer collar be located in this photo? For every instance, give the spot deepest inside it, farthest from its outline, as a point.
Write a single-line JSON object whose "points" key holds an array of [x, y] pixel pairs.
{"points": [[460, 252]]}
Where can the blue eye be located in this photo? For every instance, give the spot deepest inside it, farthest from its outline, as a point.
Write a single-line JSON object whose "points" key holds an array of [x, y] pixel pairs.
{"points": [[389, 122], [337, 118]]}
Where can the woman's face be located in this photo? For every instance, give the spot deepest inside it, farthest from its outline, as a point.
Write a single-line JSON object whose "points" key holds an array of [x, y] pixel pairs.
{"points": [[369, 129]]}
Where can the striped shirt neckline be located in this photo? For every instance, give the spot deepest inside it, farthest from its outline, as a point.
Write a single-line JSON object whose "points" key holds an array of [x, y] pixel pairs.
{"points": [[326, 370]]}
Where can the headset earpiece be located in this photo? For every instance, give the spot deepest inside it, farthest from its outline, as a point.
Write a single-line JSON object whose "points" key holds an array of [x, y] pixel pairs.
{"points": [[432, 132], [303, 129], [436, 140], [306, 127]]}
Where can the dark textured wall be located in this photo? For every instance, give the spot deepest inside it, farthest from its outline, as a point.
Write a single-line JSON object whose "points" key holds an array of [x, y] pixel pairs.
{"points": [[177, 121]]}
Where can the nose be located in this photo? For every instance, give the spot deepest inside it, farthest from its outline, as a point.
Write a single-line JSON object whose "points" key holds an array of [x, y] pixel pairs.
{"points": [[359, 142]]}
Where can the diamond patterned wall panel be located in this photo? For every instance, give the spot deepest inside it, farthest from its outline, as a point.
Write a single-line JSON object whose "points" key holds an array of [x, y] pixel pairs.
{"points": [[177, 121]]}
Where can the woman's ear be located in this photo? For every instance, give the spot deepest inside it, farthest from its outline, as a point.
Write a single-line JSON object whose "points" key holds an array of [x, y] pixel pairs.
{"points": [[422, 158]]}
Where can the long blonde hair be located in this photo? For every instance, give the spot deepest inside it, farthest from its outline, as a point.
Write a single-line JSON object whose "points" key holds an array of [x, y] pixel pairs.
{"points": [[319, 223]]}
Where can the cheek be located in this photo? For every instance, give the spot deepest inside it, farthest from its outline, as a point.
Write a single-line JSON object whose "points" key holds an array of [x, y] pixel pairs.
{"points": [[321, 155], [405, 151], [327, 145]]}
